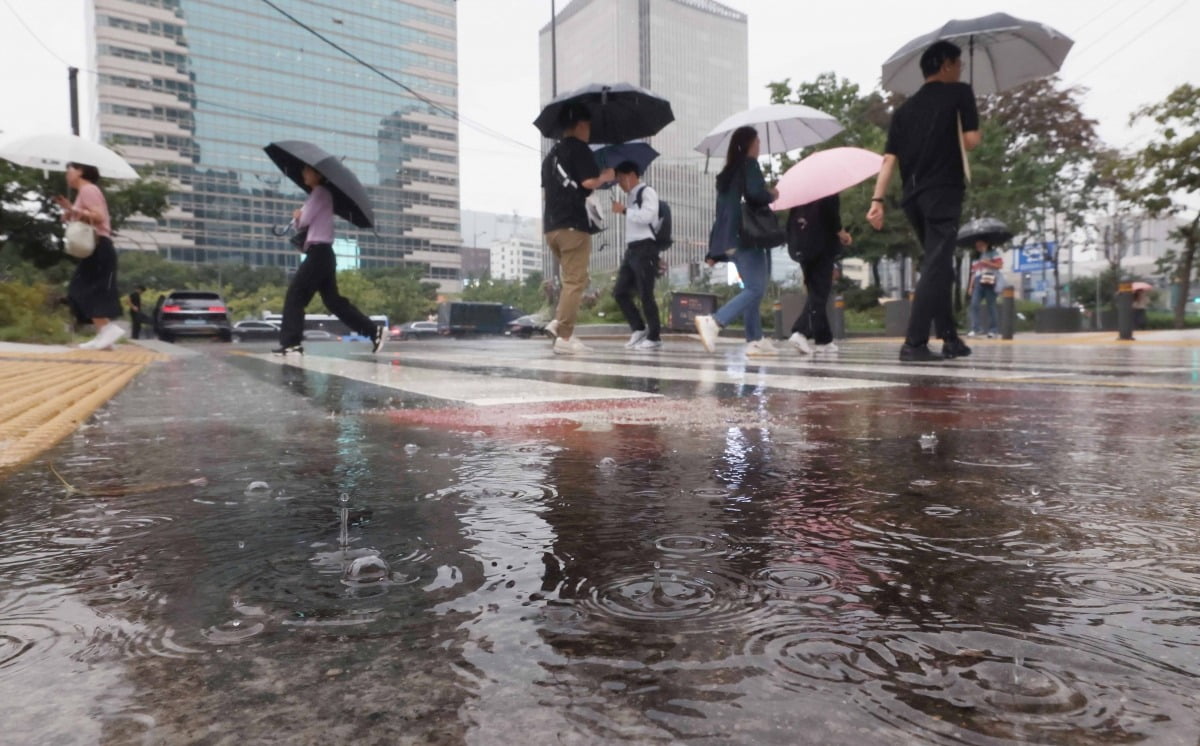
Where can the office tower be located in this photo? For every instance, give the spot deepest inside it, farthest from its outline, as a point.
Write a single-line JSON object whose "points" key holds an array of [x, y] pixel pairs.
{"points": [[196, 88]]}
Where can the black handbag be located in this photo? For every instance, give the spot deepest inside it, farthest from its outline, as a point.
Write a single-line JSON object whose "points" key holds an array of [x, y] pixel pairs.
{"points": [[298, 238], [760, 227]]}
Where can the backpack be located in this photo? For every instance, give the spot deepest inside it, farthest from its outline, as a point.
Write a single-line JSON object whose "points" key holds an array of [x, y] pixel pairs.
{"points": [[662, 236], [807, 238], [556, 178]]}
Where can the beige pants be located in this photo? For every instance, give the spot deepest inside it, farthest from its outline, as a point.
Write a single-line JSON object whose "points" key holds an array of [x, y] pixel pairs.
{"points": [[573, 249]]}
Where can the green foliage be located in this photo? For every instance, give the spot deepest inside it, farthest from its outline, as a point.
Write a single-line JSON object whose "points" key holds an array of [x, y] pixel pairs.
{"points": [[1165, 177], [32, 313], [528, 295], [862, 299]]}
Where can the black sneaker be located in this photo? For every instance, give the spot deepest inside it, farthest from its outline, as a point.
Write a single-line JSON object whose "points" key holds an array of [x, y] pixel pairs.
{"points": [[377, 339], [287, 349], [955, 348], [918, 354]]}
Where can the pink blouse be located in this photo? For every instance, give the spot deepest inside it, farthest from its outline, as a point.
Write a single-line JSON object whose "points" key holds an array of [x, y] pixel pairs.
{"points": [[91, 198]]}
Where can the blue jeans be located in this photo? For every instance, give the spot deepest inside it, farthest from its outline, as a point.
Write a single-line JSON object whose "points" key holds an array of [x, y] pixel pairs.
{"points": [[752, 266], [983, 294]]}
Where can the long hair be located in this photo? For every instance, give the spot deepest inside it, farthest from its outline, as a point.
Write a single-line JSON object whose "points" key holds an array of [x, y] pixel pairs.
{"points": [[735, 156]]}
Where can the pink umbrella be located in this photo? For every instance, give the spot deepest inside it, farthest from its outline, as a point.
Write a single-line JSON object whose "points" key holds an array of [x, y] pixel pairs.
{"points": [[824, 173], [1141, 286]]}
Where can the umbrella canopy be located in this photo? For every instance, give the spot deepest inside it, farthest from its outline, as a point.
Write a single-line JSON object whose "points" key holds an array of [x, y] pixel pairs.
{"points": [[999, 52], [620, 112], [350, 200], [983, 229], [781, 127], [824, 173], [1141, 286], [611, 156], [52, 152]]}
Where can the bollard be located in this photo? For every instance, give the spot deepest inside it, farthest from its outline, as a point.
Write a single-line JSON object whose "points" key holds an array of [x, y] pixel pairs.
{"points": [[1125, 312], [837, 317], [1008, 312]]}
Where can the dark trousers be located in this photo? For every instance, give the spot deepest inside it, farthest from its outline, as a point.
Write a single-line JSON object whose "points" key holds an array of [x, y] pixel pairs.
{"points": [[318, 274], [813, 321], [639, 270], [135, 321], [934, 214]]}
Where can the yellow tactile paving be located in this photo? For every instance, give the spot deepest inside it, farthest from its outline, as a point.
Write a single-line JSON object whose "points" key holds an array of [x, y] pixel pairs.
{"points": [[45, 395]]}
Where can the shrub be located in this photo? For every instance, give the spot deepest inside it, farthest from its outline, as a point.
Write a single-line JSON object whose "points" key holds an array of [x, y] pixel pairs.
{"points": [[32, 313]]}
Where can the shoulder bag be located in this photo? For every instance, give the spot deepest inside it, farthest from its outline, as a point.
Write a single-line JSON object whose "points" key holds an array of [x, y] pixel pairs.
{"points": [[760, 227]]}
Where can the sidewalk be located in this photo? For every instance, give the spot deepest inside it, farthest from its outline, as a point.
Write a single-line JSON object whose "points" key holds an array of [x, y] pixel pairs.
{"points": [[50, 389]]}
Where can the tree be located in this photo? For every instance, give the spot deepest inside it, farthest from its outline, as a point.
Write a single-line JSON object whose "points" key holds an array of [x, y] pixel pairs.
{"points": [[1165, 178]]}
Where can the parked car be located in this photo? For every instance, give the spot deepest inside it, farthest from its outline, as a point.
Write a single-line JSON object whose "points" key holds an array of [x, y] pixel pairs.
{"points": [[192, 313], [252, 330], [414, 330], [319, 335], [526, 326]]}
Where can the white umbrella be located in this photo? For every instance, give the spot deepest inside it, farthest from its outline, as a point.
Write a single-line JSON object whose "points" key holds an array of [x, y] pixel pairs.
{"points": [[1000, 52], [781, 127], [52, 152]]}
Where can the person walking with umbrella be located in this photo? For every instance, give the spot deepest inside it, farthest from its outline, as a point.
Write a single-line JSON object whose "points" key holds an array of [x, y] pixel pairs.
{"points": [[569, 174], [318, 272], [814, 238], [332, 190], [741, 178], [639, 266], [929, 136], [92, 293]]}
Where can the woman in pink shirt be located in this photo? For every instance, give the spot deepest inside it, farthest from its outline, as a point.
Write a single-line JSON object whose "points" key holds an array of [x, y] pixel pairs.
{"points": [[93, 290], [318, 273]]}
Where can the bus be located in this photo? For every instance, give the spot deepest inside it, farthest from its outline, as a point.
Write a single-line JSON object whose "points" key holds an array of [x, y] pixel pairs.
{"points": [[327, 322]]}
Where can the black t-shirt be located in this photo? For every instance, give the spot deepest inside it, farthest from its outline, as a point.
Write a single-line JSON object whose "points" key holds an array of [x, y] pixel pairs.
{"points": [[812, 229], [924, 136], [135, 300], [563, 204]]}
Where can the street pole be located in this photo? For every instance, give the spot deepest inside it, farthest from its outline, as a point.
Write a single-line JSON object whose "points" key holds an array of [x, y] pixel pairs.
{"points": [[554, 264], [73, 85]]}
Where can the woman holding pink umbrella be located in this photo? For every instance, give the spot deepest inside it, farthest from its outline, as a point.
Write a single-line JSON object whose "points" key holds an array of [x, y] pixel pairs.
{"points": [[815, 237]]}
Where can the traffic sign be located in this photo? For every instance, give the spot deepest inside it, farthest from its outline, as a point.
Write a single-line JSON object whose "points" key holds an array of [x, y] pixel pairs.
{"points": [[1035, 257]]}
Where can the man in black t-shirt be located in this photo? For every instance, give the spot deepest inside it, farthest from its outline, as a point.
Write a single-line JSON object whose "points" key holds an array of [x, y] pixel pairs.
{"points": [[929, 137], [137, 318], [569, 174]]}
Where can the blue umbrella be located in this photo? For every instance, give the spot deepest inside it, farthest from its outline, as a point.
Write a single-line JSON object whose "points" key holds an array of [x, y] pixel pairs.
{"points": [[611, 156]]}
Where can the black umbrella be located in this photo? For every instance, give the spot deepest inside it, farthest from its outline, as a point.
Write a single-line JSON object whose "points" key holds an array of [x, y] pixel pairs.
{"points": [[983, 229], [350, 200], [620, 112]]}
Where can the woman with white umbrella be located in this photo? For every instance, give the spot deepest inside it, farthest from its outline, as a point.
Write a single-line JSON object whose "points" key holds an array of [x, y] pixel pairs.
{"points": [[92, 292]]}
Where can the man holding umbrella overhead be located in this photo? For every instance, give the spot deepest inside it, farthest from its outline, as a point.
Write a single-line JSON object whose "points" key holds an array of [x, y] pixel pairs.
{"points": [[929, 136], [332, 189]]}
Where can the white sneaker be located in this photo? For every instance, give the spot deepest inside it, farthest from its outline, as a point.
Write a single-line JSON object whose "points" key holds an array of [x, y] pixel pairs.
{"points": [[992, 335], [830, 348], [648, 345], [551, 329], [570, 346], [91, 344], [108, 336], [709, 330], [971, 333], [758, 349], [634, 338], [768, 345], [798, 341]]}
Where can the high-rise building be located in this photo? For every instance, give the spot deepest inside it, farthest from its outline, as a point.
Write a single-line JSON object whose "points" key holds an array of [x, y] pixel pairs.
{"points": [[516, 258], [197, 88], [694, 53]]}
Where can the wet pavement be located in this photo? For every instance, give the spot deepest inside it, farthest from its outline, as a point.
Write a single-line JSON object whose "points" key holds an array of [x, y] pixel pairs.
{"points": [[478, 542]]}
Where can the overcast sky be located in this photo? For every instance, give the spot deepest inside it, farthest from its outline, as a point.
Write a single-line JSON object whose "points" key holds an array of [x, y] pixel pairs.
{"points": [[1127, 52]]}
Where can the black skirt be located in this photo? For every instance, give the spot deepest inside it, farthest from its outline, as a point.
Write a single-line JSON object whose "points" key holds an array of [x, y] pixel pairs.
{"points": [[93, 289]]}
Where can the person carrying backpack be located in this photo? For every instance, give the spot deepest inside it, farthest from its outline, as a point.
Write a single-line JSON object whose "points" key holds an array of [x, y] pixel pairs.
{"points": [[644, 237], [814, 239]]}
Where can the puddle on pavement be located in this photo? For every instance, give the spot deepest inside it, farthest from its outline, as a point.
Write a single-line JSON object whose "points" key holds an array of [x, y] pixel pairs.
{"points": [[360, 576]]}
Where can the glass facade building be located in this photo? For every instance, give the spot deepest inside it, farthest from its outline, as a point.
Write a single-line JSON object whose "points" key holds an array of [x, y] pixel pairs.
{"points": [[198, 87], [695, 54]]}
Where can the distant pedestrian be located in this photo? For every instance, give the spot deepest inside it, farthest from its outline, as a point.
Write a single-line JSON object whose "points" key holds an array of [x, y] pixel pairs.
{"points": [[639, 267], [929, 136], [318, 273], [982, 287], [136, 316], [569, 174], [815, 237], [92, 293], [740, 177], [1141, 304]]}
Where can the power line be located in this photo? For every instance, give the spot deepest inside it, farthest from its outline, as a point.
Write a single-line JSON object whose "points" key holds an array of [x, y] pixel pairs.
{"points": [[1116, 27], [36, 38], [1098, 16], [449, 112], [1135, 37]]}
